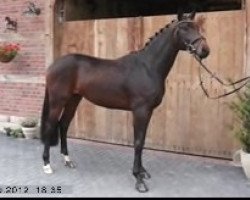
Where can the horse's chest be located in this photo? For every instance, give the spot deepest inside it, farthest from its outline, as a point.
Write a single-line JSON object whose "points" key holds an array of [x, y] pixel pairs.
{"points": [[153, 96], [156, 99]]}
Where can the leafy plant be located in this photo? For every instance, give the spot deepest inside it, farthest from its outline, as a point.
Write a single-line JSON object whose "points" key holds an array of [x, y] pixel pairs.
{"points": [[16, 133], [241, 108], [29, 123], [7, 131]]}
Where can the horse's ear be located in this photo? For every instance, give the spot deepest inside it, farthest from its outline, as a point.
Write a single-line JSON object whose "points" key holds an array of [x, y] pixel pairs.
{"points": [[180, 14], [192, 14]]}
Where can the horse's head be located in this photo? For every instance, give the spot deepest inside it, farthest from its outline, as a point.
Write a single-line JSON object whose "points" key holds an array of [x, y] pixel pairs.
{"points": [[189, 37]]}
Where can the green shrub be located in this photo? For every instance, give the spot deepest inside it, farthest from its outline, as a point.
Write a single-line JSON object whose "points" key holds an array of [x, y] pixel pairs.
{"points": [[241, 109], [16, 133], [7, 131]]}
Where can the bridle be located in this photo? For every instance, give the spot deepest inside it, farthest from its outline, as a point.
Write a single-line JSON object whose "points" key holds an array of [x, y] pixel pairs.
{"points": [[190, 45], [193, 51]]}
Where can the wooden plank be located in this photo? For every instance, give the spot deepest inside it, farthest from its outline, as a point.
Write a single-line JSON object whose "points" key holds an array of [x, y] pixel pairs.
{"points": [[113, 43], [155, 135], [247, 39], [215, 115], [74, 41]]}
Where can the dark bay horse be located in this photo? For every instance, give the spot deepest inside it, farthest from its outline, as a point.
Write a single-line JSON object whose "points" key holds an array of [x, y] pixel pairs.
{"points": [[134, 82]]}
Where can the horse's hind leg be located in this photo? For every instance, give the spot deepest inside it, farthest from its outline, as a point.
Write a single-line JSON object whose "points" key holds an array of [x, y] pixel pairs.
{"points": [[51, 133], [64, 123], [142, 117]]}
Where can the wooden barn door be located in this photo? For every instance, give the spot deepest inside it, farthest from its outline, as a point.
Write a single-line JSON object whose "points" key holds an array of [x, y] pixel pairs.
{"points": [[186, 121]]}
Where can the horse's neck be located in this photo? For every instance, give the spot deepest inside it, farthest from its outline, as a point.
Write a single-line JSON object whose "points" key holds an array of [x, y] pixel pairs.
{"points": [[161, 53]]}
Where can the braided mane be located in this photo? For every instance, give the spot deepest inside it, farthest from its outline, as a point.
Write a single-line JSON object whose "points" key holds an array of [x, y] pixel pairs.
{"points": [[162, 30], [151, 39]]}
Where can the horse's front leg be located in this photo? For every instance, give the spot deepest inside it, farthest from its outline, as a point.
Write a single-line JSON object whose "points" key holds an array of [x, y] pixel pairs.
{"points": [[142, 117]]}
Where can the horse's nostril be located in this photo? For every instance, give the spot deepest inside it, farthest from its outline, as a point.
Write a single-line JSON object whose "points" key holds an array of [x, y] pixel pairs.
{"points": [[205, 52]]}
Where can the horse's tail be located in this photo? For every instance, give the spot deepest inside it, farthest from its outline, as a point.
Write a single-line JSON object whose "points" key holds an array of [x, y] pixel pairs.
{"points": [[44, 135]]}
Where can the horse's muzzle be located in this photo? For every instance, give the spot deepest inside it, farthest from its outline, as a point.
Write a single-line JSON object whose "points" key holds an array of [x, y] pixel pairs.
{"points": [[203, 50]]}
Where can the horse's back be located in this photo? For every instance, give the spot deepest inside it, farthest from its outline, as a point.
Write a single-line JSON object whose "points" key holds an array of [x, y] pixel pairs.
{"points": [[102, 81]]}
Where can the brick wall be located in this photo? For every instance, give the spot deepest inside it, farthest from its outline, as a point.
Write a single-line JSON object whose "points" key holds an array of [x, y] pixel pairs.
{"points": [[21, 99], [22, 80]]}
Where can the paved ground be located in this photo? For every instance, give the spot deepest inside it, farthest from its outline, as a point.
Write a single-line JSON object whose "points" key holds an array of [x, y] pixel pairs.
{"points": [[105, 171]]}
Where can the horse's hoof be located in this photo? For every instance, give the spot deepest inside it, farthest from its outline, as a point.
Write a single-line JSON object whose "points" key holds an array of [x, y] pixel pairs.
{"points": [[47, 169], [145, 175], [141, 187], [70, 164]]}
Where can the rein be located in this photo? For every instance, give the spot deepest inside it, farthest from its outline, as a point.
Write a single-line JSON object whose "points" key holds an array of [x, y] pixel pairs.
{"points": [[220, 81], [193, 51]]}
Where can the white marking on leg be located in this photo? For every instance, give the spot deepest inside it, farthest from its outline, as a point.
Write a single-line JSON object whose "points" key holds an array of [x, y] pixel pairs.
{"points": [[68, 162], [47, 169], [67, 159]]}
